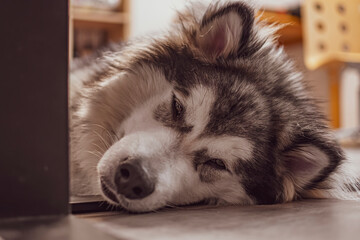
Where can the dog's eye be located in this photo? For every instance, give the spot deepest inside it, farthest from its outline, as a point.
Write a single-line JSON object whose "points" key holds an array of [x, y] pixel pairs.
{"points": [[177, 108], [216, 163]]}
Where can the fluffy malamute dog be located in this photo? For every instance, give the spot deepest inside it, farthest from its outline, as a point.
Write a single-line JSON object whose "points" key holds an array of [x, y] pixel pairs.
{"points": [[210, 110]]}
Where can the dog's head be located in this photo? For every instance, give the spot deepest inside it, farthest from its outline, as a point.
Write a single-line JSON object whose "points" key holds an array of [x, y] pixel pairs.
{"points": [[216, 112]]}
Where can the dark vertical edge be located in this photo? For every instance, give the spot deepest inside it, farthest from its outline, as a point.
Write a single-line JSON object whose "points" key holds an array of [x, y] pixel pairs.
{"points": [[34, 168]]}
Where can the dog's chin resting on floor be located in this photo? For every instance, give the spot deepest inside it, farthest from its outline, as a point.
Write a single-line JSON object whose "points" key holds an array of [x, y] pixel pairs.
{"points": [[210, 110]]}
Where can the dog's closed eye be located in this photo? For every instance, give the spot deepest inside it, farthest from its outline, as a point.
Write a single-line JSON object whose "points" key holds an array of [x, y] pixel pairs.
{"points": [[216, 163], [177, 108]]}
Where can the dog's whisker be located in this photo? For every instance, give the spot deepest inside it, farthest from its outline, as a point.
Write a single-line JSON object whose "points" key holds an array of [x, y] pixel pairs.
{"points": [[95, 153], [100, 149], [108, 207], [111, 133], [112, 207], [116, 137], [105, 143]]}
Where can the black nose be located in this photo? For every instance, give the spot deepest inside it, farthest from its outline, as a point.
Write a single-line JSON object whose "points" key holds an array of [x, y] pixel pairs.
{"points": [[132, 181]]}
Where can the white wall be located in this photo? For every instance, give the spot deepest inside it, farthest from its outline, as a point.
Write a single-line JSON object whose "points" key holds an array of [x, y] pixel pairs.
{"points": [[349, 105], [278, 4], [152, 15]]}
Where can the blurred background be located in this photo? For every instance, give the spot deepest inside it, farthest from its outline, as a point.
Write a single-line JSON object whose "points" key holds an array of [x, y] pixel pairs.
{"points": [[322, 36]]}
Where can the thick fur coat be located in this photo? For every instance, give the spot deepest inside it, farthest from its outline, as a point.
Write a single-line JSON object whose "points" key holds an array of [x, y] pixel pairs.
{"points": [[210, 110]]}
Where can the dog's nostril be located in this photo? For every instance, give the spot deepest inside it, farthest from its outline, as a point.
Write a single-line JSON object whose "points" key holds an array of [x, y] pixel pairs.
{"points": [[137, 191], [125, 173]]}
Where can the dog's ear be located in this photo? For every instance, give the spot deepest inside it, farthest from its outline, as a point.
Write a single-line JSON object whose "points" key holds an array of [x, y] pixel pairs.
{"points": [[224, 30], [308, 164]]}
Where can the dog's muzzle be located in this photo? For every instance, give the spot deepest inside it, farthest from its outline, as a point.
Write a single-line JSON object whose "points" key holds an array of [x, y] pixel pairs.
{"points": [[107, 192]]}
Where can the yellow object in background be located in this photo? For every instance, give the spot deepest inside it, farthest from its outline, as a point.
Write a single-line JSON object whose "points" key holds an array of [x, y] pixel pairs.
{"points": [[331, 31], [331, 36]]}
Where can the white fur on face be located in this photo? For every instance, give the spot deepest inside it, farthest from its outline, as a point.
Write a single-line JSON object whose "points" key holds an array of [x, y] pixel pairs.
{"points": [[169, 155], [147, 139], [110, 104], [228, 148], [157, 146], [198, 107]]}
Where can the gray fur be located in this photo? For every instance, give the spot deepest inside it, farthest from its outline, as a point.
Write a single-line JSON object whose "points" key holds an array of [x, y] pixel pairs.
{"points": [[258, 98]]}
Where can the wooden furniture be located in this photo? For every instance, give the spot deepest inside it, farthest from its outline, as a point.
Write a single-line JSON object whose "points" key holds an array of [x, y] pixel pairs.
{"points": [[291, 32], [116, 23], [331, 37]]}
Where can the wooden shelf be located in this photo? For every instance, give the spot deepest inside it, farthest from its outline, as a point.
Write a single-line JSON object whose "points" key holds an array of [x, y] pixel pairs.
{"points": [[115, 24], [89, 15]]}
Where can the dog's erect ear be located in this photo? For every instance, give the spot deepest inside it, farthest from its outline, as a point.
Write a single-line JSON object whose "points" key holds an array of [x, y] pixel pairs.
{"points": [[307, 164], [225, 30]]}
